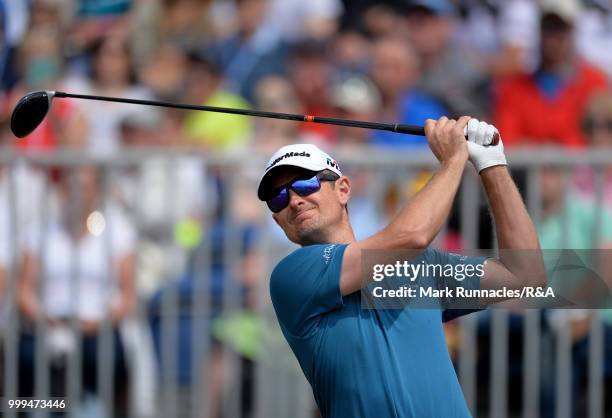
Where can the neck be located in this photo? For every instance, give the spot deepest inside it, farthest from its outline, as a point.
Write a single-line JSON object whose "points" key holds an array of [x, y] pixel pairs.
{"points": [[558, 67], [341, 234]]}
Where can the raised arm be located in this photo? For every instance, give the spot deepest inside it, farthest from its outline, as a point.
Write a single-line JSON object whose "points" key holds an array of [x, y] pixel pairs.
{"points": [[520, 260], [420, 220]]}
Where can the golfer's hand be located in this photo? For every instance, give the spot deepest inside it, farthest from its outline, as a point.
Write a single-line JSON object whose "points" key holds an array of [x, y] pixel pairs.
{"points": [[480, 133], [483, 155], [446, 138]]}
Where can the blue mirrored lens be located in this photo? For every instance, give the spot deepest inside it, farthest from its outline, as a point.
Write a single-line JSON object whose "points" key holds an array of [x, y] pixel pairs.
{"points": [[306, 187], [301, 187], [280, 201]]}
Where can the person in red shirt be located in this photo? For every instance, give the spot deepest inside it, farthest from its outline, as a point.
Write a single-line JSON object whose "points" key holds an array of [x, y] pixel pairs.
{"points": [[41, 67], [545, 107]]}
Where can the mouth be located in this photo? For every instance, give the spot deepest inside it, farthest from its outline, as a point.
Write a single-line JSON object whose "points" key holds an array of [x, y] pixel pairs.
{"points": [[302, 215]]}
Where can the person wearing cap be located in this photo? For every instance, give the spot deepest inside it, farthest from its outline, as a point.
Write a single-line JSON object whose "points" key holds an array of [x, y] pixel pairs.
{"points": [[445, 73], [545, 106], [384, 362], [396, 72]]}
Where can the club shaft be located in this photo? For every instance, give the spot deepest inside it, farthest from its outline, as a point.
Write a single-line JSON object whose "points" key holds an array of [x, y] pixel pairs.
{"points": [[393, 127]]}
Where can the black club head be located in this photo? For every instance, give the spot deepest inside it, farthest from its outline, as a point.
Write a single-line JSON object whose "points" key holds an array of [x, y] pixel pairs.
{"points": [[29, 112]]}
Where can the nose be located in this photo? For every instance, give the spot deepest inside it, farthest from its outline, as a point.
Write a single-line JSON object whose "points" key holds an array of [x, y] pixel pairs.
{"points": [[295, 200]]}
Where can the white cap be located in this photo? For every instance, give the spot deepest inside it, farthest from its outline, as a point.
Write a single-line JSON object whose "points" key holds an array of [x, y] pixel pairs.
{"points": [[568, 10], [357, 95], [306, 156]]}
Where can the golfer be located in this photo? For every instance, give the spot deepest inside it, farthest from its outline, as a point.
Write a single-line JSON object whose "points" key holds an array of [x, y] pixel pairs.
{"points": [[383, 363]]}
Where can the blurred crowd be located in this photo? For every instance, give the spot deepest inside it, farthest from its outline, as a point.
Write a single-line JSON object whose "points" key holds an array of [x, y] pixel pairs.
{"points": [[540, 70], [529, 66]]}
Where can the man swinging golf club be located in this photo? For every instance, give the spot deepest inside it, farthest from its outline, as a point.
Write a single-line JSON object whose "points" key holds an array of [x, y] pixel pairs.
{"points": [[383, 363]]}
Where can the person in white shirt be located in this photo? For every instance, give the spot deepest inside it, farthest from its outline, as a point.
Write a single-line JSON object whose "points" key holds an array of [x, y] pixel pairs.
{"points": [[78, 266]]}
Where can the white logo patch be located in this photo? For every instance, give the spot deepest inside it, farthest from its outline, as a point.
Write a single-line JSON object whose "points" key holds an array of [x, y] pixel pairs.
{"points": [[327, 253]]}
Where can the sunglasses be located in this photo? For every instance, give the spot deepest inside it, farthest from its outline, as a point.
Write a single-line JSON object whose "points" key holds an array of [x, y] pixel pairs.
{"points": [[302, 187], [590, 126]]}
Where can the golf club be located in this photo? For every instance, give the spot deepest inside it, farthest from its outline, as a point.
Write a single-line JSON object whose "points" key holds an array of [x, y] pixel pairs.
{"points": [[32, 108]]}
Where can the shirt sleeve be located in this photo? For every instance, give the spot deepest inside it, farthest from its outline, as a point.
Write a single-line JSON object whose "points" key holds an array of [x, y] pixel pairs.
{"points": [[305, 285], [468, 271]]}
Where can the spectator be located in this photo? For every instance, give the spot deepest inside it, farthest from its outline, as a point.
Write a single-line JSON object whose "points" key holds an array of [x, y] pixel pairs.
{"points": [[51, 14], [297, 19], [395, 71], [95, 20], [50, 289], [22, 190], [311, 73], [581, 216], [22, 194], [500, 35], [183, 24], [13, 22], [374, 17], [253, 51], [594, 34], [569, 221], [214, 131], [111, 74], [445, 73], [165, 73], [351, 53], [275, 94], [355, 98], [41, 65], [168, 230], [597, 126], [545, 106]]}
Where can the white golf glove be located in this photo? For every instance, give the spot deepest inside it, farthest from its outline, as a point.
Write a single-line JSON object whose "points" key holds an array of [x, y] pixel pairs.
{"points": [[483, 155]]}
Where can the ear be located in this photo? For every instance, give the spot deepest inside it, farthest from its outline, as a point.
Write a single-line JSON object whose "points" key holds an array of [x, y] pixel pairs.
{"points": [[343, 189]]}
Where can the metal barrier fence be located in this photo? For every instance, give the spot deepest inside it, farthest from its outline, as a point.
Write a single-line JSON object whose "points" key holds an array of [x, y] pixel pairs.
{"points": [[202, 340]]}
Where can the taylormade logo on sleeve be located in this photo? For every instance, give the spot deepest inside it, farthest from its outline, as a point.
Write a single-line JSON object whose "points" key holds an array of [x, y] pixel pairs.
{"points": [[327, 253], [287, 155]]}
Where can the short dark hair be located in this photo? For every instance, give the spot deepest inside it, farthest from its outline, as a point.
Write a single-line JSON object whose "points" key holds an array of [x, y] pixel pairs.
{"points": [[331, 174], [333, 183]]}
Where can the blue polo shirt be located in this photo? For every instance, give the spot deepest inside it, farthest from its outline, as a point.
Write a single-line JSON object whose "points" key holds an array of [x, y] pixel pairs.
{"points": [[368, 363]]}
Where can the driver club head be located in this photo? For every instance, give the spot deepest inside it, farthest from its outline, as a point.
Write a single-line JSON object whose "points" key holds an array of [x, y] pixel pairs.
{"points": [[30, 111]]}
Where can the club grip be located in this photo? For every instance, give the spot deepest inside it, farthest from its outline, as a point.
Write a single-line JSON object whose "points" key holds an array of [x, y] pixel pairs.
{"points": [[409, 129], [420, 130]]}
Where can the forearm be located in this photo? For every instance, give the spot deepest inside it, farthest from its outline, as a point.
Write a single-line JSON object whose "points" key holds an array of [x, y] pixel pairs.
{"points": [[420, 220], [513, 225], [517, 239]]}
